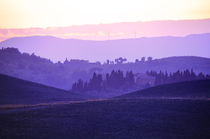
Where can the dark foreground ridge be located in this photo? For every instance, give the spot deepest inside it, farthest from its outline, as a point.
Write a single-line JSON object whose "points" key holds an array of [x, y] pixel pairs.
{"points": [[188, 89], [122, 118], [118, 119], [17, 91]]}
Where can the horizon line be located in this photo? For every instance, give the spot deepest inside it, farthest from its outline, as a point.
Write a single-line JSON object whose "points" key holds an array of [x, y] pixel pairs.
{"points": [[96, 24], [53, 36]]}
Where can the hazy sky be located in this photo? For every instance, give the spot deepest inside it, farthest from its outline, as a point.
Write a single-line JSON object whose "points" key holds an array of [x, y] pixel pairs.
{"points": [[47, 13]]}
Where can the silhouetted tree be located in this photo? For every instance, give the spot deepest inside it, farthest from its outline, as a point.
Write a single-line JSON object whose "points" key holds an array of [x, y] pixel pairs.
{"points": [[120, 60], [178, 76], [137, 61], [114, 80], [143, 59], [130, 78], [149, 59]]}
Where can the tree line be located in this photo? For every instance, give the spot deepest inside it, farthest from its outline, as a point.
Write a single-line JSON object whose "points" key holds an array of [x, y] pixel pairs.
{"points": [[114, 80], [178, 76], [118, 80]]}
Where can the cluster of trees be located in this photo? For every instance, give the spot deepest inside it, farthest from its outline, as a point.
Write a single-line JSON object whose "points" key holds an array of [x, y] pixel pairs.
{"points": [[63, 74], [143, 59], [114, 80], [178, 76]]}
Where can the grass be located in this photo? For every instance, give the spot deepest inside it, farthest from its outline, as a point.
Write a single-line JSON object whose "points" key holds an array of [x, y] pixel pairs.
{"points": [[153, 113], [110, 119], [187, 89]]}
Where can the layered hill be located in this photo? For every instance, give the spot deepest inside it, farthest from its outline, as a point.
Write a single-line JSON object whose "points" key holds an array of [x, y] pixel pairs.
{"points": [[158, 47], [17, 91], [63, 75], [120, 118], [198, 89]]}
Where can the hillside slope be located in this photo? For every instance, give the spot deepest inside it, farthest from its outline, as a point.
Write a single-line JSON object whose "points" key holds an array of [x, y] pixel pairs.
{"points": [[120, 118], [63, 75], [17, 91], [111, 119], [188, 89]]}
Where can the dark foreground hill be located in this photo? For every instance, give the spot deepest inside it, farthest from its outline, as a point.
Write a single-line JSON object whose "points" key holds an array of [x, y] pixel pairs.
{"points": [[188, 89], [115, 118], [17, 91]]}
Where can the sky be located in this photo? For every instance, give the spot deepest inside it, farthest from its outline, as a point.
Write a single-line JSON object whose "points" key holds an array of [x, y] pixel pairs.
{"points": [[61, 13]]}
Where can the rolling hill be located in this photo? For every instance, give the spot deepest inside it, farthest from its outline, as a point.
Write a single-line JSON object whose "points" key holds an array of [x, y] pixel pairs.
{"points": [[58, 49], [188, 89], [63, 75], [118, 118], [17, 91]]}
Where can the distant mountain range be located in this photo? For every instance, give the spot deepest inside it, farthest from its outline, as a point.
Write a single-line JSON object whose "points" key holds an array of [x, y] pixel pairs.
{"points": [[59, 49], [111, 31]]}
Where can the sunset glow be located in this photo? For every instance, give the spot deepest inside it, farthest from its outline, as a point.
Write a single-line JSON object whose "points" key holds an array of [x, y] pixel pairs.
{"points": [[56, 13], [100, 69]]}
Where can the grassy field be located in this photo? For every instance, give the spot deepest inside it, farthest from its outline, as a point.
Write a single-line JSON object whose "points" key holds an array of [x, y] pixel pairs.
{"points": [[110, 119], [174, 111]]}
